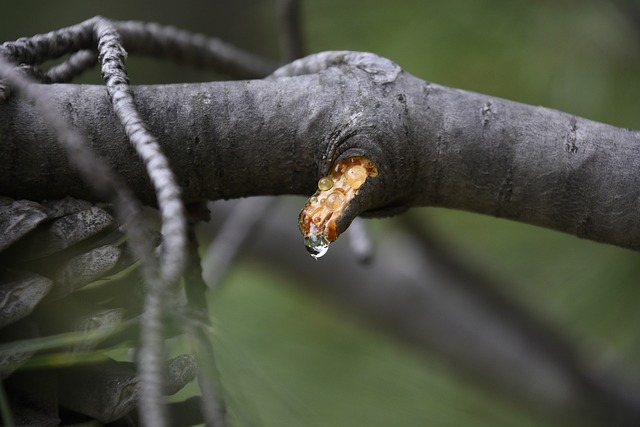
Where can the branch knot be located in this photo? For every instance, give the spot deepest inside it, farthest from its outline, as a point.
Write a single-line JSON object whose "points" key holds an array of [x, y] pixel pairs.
{"points": [[382, 69]]}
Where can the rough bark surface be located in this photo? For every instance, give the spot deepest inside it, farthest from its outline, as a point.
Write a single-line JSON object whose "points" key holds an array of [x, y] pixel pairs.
{"points": [[433, 145]]}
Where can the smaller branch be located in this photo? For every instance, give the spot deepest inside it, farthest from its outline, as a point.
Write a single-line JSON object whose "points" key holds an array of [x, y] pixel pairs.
{"points": [[311, 64], [233, 237], [291, 40], [630, 10], [5, 409], [360, 241], [212, 406]]}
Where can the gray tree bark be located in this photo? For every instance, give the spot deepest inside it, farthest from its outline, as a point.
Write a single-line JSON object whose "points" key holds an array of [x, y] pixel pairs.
{"points": [[433, 146]]}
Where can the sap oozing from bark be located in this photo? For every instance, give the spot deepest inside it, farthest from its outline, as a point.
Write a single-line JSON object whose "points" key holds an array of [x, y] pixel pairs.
{"points": [[317, 220]]}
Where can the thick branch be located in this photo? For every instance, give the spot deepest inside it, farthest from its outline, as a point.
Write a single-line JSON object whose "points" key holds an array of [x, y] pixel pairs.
{"points": [[530, 164], [433, 145]]}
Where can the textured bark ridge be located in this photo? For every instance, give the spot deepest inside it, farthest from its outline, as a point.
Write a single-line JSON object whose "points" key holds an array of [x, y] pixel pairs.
{"points": [[432, 145]]}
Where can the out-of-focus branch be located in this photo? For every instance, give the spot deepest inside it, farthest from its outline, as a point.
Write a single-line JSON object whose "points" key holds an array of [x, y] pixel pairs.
{"points": [[291, 39], [212, 404], [418, 294], [173, 43], [360, 241], [232, 237], [630, 10]]}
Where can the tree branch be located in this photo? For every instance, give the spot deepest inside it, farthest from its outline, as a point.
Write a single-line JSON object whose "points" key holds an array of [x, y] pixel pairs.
{"points": [[433, 146], [291, 39]]}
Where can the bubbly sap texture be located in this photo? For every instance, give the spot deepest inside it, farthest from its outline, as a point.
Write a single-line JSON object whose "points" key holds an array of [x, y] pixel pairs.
{"points": [[317, 220]]}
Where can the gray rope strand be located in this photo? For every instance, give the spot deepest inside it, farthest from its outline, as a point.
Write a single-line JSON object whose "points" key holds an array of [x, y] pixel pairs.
{"points": [[167, 190], [139, 37], [74, 66], [52, 45], [31, 51], [173, 254], [34, 73], [191, 48]]}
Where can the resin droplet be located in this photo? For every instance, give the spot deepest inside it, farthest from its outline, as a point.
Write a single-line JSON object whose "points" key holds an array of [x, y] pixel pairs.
{"points": [[316, 244], [356, 175], [317, 220], [325, 184], [335, 200]]}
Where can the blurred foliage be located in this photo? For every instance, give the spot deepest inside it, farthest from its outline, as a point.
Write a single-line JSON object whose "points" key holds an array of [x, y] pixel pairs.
{"points": [[311, 366], [286, 359]]}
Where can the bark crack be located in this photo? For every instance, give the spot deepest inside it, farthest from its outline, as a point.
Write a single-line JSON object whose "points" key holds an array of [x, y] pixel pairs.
{"points": [[505, 192], [487, 113], [571, 138]]}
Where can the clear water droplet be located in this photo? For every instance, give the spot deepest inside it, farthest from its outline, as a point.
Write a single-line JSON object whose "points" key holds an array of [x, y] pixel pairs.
{"points": [[316, 244]]}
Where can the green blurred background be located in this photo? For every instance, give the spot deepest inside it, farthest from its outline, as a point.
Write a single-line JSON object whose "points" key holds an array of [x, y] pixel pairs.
{"points": [[287, 359]]}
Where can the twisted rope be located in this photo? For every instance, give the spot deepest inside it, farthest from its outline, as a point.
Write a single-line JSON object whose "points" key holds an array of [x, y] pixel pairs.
{"points": [[152, 39], [75, 65], [166, 41], [99, 38], [174, 228]]}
